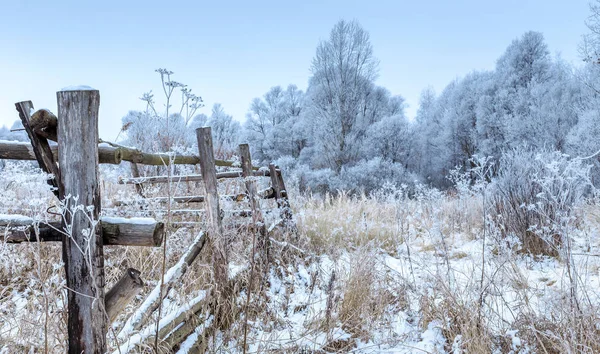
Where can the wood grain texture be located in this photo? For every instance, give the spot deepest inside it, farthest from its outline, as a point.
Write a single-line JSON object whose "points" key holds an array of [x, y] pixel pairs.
{"points": [[80, 192], [39, 144], [122, 233], [185, 178], [12, 150], [117, 298], [213, 213]]}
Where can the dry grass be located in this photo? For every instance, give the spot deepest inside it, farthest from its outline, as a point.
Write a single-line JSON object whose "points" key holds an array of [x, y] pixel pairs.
{"points": [[435, 237]]}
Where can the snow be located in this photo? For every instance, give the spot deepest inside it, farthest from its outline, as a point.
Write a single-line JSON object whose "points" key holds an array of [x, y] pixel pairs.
{"points": [[138, 338], [15, 220], [134, 221], [154, 295], [78, 88], [15, 142]]}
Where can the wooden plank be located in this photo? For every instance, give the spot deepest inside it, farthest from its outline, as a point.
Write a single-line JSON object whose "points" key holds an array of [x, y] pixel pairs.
{"points": [[213, 214], [80, 192], [115, 231], [40, 145], [117, 298], [187, 178], [15, 150]]}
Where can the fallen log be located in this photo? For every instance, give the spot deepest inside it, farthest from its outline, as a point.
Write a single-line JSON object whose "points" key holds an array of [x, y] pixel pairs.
{"points": [[115, 231], [15, 150], [128, 286], [188, 178]]}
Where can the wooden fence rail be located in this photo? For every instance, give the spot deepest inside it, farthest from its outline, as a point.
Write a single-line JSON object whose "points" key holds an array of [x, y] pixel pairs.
{"points": [[15, 150], [73, 164], [187, 178], [115, 231]]}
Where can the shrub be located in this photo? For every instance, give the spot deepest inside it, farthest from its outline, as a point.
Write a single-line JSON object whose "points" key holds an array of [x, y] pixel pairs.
{"points": [[534, 197]]}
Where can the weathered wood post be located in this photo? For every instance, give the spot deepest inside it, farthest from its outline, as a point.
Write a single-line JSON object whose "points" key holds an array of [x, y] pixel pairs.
{"points": [[215, 228], [82, 247], [135, 173], [281, 196], [117, 298], [260, 232], [39, 144]]}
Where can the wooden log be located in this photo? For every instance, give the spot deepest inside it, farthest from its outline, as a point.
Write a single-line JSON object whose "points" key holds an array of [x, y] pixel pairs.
{"points": [[79, 190], [267, 193], [173, 277], [164, 159], [115, 231], [117, 298], [40, 146], [213, 214], [188, 178], [206, 319], [15, 220], [15, 150], [132, 232]]}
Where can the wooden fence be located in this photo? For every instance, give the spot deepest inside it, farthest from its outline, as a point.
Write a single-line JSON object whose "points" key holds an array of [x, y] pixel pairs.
{"points": [[73, 166]]}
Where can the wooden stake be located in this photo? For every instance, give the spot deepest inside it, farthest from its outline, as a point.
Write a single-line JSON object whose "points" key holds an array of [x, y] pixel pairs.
{"points": [[135, 173], [262, 241], [122, 292], [83, 255], [39, 144], [281, 196], [215, 228]]}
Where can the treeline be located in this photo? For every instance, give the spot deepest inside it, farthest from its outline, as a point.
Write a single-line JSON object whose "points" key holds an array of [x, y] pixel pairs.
{"points": [[345, 132]]}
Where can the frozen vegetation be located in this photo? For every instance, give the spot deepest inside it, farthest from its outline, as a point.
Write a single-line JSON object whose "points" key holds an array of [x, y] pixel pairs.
{"points": [[472, 229]]}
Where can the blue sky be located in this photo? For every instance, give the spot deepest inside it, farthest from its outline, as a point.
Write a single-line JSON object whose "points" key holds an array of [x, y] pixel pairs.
{"points": [[232, 51]]}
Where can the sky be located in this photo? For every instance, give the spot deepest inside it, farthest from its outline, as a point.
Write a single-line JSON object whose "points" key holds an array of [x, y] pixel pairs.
{"points": [[230, 52]]}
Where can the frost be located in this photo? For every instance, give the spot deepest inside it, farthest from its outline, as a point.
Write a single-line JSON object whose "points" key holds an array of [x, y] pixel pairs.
{"points": [[78, 88], [135, 221]]}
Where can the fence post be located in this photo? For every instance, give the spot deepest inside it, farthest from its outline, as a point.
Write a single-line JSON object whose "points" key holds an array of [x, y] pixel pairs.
{"points": [[39, 145], [213, 211], [260, 232], [83, 254], [135, 173], [282, 198]]}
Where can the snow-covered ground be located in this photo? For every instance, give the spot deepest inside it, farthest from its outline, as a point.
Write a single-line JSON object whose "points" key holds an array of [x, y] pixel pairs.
{"points": [[381, 274]]}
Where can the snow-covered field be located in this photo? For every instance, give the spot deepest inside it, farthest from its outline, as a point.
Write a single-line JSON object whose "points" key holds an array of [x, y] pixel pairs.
{"points": [[379, 274]]}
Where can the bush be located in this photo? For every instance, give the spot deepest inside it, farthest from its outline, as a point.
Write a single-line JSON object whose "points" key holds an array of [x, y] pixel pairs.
{"points": [[534, 197]]}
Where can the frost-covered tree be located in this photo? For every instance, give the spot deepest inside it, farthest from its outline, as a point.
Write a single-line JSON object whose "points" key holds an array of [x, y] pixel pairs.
{"points": [[273, 124], [390, 139], [225, 131], [590, 46], [343, 71]]}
